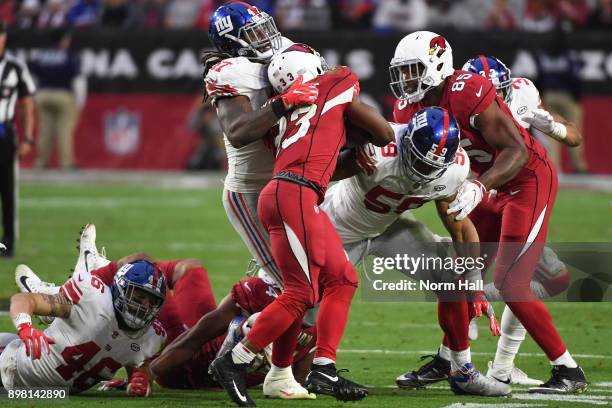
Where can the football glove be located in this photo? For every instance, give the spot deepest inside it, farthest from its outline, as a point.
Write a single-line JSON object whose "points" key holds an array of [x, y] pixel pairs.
{"points": [[116, 384], [139, 385], [481, 305], [300, 94], [34, 340], [468, 197], [366, 159], [544, 122]]}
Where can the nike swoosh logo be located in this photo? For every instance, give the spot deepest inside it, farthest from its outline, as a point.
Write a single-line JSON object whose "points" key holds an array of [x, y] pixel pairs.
{"points": [[23, 281], [334, 379], [479, 92], [242, 397], [515, 192]]}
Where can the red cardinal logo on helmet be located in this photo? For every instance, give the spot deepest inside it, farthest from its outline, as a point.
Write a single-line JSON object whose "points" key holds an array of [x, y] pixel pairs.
{"points": [[437, 46]]}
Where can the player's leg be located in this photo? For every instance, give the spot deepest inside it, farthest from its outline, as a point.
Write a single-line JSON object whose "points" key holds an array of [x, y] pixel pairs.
{"points": [[524, 227], [241, 210]]}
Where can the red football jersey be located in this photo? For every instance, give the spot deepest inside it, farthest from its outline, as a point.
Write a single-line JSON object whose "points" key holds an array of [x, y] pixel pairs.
{"points": [[253, 294], [465, 96], [311, 137]]}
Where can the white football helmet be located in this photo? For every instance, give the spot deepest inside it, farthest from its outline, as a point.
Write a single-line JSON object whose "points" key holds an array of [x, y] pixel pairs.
{"points": [[422, 60], [285, 68]]}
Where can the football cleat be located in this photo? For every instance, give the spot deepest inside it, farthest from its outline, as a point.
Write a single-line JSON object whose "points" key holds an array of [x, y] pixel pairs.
{"points": [[432, 372], [232, 377], [89, 257], [324, 379], [285, 387], [517, 376], [468, 381], [564, 380], [473, 330], [28, 282]]}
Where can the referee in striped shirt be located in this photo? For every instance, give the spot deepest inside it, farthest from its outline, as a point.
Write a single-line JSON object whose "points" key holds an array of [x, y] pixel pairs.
{"points": [[16, 86]]}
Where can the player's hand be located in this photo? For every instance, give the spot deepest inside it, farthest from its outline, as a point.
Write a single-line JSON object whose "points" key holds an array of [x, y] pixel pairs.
{"points": [[24, 149], [116, 384], [139, 385], [481, 305], [300, 94], [366, 158], [468, 197], [34, 340], [542, 120]]}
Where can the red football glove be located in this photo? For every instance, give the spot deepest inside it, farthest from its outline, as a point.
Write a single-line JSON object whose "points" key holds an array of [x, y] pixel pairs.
{"points": [[33, 340], [480, 305], [366, 159], [300, 94], [139, 385]]}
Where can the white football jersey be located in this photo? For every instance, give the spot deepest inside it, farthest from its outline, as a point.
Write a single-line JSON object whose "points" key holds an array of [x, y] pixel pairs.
{"points": [[525, 98], [364, 206], [89, 345]]}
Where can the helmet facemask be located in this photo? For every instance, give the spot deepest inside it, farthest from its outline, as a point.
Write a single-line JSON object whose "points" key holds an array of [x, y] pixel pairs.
{"points": [[260, 39], [137, 305], [421, 167], [409, 81]]}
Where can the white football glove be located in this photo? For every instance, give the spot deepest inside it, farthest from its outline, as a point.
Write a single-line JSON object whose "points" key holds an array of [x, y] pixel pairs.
{"points": [[468, 197], [544, 122]]}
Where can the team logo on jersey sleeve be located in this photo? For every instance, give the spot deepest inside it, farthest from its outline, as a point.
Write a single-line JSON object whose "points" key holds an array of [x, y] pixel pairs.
{"points": [[437, 46], [522, 110]]}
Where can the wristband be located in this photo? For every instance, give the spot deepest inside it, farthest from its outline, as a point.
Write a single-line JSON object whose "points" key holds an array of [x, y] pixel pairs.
{"points": [[278, 107], [559, 131], [473, 276], [22, 318]]}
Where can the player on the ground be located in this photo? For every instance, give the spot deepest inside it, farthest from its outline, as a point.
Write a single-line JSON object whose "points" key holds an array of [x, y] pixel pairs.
{"points": [[504, 158], [97, 329], [523, 100], [305, 244]]}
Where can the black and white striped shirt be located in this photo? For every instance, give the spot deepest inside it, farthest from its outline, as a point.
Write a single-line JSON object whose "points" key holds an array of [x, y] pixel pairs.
{"points": [[15, 82]]}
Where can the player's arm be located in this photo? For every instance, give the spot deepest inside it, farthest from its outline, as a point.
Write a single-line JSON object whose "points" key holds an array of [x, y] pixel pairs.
{"points": [[499, 131], [555, 126], [367, 118], [573, 136], [461, 231], [211, 325]]}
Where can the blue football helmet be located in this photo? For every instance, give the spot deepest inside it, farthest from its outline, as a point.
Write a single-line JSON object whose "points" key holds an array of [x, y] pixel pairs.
{"points": [[139, 291], [242, 30], [493, 69], [429, 144]]}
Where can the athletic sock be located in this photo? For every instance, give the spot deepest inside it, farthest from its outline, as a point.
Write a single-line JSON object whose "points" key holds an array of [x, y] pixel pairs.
{"points": [[242, 355], [279, 372], [513, 334], [460, 358], [322, 361], [565, 359], [444, 352]]}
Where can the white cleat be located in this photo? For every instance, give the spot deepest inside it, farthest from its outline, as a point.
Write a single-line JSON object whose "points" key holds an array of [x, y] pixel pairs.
{"points": [[517, 377], [89, 257], [285, 388], [28, 282], [473, 330]]}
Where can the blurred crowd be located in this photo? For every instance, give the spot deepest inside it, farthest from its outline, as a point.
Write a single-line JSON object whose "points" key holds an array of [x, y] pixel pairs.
{"points": [[380, 15]]}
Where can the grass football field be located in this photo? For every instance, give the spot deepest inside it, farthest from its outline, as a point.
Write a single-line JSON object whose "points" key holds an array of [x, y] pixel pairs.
{"points": [[382, 340]]}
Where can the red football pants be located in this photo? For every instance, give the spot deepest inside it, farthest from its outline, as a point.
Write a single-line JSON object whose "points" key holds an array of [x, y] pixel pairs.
{"points": [[313, 264], [517, 217]]}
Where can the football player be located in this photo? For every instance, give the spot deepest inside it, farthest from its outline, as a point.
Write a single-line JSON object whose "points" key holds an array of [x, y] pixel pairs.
{"points": [[504, 158], [97, 329], [523, 100], [305, 245]]}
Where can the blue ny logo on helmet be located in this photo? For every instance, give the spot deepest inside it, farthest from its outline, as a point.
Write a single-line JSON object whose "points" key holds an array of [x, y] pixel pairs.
{"points": [[492, 68], [139, 291], [242, 30], [429, 144]]}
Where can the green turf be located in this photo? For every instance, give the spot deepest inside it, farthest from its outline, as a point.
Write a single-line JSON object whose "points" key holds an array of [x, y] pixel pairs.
{"points": [[382, 339]]}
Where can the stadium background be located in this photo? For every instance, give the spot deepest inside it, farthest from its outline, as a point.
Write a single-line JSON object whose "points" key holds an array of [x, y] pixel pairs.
{"points": [[135, 136]]}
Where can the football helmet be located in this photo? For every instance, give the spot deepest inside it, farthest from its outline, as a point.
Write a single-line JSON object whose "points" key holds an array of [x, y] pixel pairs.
{"points": [[139, 291], [422, 60], [242, 30], [285, 68], [493, 69], [429, 144]]}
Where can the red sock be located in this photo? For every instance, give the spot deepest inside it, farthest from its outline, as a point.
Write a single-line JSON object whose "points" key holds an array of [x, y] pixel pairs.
{"points": [[193, 295], [454, 321], [275, 319], [284, 347], [538, 322], [332, 318]]}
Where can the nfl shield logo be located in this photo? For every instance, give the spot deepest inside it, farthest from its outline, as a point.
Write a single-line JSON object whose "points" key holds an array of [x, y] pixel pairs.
{"points": [[122, 132]]}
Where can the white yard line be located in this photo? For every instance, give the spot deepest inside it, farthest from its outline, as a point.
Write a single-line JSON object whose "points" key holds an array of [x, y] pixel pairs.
{"points": [[584, 399], [497, 405]]}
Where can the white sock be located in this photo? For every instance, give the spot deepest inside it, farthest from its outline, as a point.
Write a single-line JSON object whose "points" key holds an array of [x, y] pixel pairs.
{"points": [[566, 359], [513, 334], [460, 358], [280, 372], [444, 352], [323, 361], [242, 355]]}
